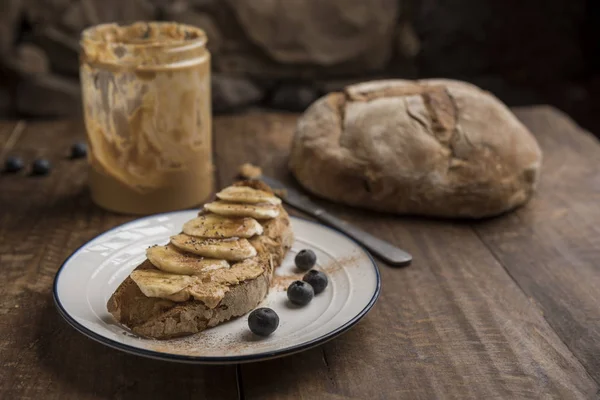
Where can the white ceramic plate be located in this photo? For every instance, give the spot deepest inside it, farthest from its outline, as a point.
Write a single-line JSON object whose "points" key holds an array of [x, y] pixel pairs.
{"points": [[91, 274]]}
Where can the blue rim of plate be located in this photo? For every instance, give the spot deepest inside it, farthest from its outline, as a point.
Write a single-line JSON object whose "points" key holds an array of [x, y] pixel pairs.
{"points": [[212, 359]]}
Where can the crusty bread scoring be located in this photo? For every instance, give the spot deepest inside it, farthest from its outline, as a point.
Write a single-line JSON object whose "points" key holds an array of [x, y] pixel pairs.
{"points": [[162, 319], [431, 147]]}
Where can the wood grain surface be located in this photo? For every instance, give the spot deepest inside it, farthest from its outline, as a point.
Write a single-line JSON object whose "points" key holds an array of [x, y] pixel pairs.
{"points": [[43, 220], [551, 248], [503, 308]]}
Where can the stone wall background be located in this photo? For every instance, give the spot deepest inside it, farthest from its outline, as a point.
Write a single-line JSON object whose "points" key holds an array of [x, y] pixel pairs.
{"points": [[285, 53]]}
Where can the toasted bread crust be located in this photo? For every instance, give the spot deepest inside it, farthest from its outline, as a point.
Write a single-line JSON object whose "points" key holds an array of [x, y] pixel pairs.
{"points": [[163, 319]]}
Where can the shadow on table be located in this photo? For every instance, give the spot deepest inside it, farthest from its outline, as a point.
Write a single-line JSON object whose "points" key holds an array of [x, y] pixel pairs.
{"points": [[75, 203], [301, 375], [80, 365]]}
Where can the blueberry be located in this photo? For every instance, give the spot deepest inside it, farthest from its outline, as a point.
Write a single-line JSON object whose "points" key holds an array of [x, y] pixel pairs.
{"points": [[78, 150], [263, 321], [305, 259], [13, 164], [300, 293], [317, 279], [41, 166]]}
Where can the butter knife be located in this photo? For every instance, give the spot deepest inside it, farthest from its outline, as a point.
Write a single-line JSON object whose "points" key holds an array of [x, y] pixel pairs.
{"points": [[386, 251]]}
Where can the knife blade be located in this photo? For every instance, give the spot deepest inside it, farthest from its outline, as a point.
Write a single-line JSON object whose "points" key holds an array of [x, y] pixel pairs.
{"points": [[385, 250]]}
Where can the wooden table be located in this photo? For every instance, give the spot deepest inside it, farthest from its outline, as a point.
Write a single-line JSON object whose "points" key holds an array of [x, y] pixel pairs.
{"points": [[505, 308]]}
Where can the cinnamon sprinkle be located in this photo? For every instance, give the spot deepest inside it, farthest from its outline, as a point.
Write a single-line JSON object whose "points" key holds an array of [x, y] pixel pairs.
{"points": [[208, 343]]}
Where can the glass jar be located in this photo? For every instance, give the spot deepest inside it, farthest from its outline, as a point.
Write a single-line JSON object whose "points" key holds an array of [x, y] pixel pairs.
{"points": [[146, 95]]}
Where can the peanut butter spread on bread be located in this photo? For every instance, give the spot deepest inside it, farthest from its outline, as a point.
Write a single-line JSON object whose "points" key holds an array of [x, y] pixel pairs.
{"points": [[205, 268], [211, 288]]}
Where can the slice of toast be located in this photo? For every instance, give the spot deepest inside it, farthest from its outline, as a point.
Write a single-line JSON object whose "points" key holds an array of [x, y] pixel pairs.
{"points": [[183, 314]]}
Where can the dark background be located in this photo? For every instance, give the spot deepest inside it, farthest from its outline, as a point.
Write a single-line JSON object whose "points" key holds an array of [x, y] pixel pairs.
{"points": [[283, 54]]}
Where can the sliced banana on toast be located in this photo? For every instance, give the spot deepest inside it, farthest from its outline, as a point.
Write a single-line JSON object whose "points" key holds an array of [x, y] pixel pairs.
{"points": [[231, 249], [215, 226], [180, 288], [170, 259], [155, 283], [257, 211], [226, 255], [244, 194]]}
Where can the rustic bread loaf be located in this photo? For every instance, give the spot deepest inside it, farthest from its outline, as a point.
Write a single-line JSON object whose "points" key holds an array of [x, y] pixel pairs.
{"points": [[430, 147]]}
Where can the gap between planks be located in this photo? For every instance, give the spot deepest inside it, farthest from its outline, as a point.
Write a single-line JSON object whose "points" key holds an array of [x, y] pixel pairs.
{"points": [[239, 382]]}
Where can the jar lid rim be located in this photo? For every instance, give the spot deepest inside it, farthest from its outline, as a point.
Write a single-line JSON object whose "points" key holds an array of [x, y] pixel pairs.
{"points": [[92, 35]]}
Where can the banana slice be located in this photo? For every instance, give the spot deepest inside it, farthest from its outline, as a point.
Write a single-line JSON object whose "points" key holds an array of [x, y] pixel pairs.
{"points": [[216, 226], [244, 194], [154, 283], [258, 211], [170, 259], [231, 249]]}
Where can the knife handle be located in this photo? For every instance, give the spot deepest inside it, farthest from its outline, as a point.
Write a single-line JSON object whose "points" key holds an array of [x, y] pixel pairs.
{"points": [[386, 251]]}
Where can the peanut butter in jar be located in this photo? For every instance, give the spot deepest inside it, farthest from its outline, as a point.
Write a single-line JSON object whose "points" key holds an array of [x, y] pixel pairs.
{"points": [[146, 94]]}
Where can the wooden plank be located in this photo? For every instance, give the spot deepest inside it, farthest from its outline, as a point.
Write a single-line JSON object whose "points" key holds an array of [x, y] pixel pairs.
{"points": [[42, 220], [452, 325], [551, 247], [6, 127], [10, 132]]}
